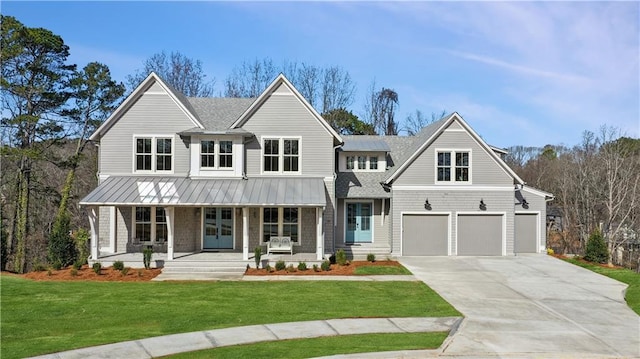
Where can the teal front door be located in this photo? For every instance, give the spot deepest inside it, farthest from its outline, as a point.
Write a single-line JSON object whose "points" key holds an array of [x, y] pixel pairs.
{"points": [[358, 223], [218, 228]]}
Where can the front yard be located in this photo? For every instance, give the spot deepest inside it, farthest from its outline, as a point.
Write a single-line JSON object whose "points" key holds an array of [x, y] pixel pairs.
{"points": [[51, 316]]}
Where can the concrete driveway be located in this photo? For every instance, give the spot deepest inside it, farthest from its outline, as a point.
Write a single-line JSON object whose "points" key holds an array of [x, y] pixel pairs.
{"points": [[531, 306]]}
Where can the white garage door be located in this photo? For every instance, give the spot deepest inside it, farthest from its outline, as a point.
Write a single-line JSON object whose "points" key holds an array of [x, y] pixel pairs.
{"points": [[479, 235], [526, 233], [425, 235]]}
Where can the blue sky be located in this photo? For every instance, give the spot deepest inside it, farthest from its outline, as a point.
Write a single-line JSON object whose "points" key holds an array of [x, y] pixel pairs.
{"points": [[520, 73]]}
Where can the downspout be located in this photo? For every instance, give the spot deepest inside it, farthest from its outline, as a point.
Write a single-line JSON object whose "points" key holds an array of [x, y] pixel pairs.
{"points": [[335, 197]]}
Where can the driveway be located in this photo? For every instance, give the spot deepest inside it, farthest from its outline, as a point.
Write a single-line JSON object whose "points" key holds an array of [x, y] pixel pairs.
{"points": [[531, 306]]}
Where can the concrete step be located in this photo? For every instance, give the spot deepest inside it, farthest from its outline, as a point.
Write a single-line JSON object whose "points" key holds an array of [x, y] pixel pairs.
{"points": [[199, 276], [208, 269], [204, 264], [360, 252]]}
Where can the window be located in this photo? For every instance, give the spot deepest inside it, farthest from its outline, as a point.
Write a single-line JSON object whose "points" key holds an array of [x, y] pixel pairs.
{"points": [[150, 225], [350, 162], [280, 222], [373, 163], [362, 162], [207, 154], [281, 155], [226, 154], [459, 168], [147, 148]]}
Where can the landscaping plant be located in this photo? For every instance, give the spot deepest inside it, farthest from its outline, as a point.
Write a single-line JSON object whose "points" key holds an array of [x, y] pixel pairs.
{"points": [[97, 267], [257, 255], [302, 266], [280, 265], [596, 248], [146, 257], [118, 265], [341, 257], [371, 257], [326, 266]]}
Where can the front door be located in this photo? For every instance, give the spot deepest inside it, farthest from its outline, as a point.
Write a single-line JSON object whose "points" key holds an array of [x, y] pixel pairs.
{"points": [[218, 228], [358, 223]]}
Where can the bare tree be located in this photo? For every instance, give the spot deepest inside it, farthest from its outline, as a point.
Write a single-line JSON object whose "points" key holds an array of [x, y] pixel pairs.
{"points": [[183, 73], [250, 78], [337, 89], [414, 124], [380, 108]]}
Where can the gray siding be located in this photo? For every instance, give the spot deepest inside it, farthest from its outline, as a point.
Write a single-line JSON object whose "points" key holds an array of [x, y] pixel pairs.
{"points": [[284, 115], [451, 201], [537, 203], [380, 230], [484, 169], [151, 114]]}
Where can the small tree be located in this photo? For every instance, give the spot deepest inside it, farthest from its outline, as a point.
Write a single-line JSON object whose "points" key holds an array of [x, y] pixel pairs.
{"points": [[596, 248], [62, 249], [257, 255]]}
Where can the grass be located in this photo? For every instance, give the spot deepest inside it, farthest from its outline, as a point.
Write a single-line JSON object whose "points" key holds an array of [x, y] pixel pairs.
{"points": [[307, 348], [49, 316], [381, 270], [623, 275]]}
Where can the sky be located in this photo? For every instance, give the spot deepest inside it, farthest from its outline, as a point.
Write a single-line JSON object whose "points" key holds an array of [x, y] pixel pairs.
{"points": [[519, 73]]}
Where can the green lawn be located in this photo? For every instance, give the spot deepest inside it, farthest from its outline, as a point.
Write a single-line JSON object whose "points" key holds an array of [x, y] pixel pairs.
{"points": [[620, 274], [381, 270], [44, 317], [307, 348]]}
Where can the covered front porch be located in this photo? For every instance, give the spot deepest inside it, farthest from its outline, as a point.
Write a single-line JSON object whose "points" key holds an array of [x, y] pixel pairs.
{"points": [[178, 221]]}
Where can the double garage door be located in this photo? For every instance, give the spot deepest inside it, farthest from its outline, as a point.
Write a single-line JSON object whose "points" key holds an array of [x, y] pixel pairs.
{"points": [[428, 235]]}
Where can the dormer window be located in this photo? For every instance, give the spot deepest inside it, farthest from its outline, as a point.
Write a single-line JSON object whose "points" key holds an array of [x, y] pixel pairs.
{"points": [[362, 162], [216, 154], [453, 166]]}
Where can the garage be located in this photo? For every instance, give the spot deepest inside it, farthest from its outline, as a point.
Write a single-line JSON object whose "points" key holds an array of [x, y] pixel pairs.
{"points": [[480, 234], [425, 235], [526, 233]]}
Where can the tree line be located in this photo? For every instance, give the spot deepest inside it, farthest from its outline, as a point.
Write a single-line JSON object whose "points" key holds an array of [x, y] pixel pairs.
{"points": [[50, 108]]}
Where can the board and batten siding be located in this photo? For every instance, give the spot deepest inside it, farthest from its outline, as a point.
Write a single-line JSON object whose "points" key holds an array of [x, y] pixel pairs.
{"points": [[380, 228], [484, 169], [154, 113], [451, 201], [283, 115]]}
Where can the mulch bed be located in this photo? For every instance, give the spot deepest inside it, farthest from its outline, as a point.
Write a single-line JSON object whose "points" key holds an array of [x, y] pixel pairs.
{"points": [[348, 269]]}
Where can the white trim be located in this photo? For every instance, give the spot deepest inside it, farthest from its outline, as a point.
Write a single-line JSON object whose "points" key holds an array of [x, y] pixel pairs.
{"points": [[454, 130], [281, 155], [169, 213], [538, 214], [342, 161], [152, 234], [429, 213], [371, 218], [94, 223], [485, 213], [245, 233], [537, 192], [112, 229], [452, 166], [319, 233], [281, 223], [154, 153], [233, 226], [446, 187]]}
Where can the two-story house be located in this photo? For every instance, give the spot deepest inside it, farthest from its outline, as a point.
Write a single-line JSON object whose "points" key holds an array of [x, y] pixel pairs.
{"points": [[189, 175]]}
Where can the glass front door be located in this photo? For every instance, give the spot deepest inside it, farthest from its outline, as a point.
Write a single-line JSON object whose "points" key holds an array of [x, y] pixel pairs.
{"points": [[358, 223], [218, 228]]}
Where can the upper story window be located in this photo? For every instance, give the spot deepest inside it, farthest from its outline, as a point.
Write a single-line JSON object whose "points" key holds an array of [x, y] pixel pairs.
{"points": [[210, 150], [453, 166], [281, 155], [361, 162], [149, 148]]}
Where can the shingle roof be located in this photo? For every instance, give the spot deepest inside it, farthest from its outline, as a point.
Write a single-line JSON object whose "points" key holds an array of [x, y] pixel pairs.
{"points": [[217, 114]]}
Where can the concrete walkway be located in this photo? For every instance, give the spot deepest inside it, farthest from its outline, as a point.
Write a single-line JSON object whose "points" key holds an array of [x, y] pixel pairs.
{"points": [[531, 306], [209, 339]]}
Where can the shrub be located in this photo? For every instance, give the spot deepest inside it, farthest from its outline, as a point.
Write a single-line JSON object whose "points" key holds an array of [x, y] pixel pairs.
{"points": [[341, 257], [316, 268], [124, 271], [57, 265], [78, 264], [550, 251], [326, 266], [62, 248], [268, 268], [302, 266], [257, 255], [146, 256], [596, 248], [371, 257], [49, 272], [291, 268], [280, 265], [118, 265], [97, 267], [73, 272], [39, 267], [82, 245]]}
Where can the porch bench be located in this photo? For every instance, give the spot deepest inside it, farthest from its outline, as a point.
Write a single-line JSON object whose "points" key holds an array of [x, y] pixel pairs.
{"points": [[279, 245]]}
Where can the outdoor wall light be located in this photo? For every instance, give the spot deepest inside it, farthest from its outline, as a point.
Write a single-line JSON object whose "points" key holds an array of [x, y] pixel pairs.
{"points": [[525, 204], [483, 206], [427, 205]]}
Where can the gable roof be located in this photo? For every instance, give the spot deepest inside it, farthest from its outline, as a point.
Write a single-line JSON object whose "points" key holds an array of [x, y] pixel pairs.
{"points": [[281, 79], [429, 133], [175, 95], [218, 114]]}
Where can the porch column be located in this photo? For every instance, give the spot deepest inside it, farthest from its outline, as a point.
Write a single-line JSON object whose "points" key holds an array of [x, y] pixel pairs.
{"points": [[92, 212], [112, 229], [319, 234], [169, 213], [245, 233]]}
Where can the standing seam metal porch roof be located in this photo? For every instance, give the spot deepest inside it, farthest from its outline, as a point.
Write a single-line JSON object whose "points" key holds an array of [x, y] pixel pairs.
{"points": [[181, 191]]}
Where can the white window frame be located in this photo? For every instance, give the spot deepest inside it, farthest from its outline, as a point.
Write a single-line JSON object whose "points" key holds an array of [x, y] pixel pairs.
{"points": [[359, 166], [281, 224], [216, 154], [452, 166], [371, 163], [153, 223], [154, 153], [281, 154]]}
